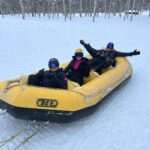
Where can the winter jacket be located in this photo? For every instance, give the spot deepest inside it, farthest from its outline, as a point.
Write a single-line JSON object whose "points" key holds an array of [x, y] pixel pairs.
{"points": [[111, 54], [97, 62], [101, 62], [49, 78], [76, 72], [55, 79]]}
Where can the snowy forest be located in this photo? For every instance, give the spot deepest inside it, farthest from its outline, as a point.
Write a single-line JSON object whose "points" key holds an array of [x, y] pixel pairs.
{"points": [[68, 8]]}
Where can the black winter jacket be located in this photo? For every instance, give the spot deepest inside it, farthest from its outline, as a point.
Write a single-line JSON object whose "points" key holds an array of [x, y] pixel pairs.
{"points": [[111, 54], [78, 74], [97, 62], [53, 79]]}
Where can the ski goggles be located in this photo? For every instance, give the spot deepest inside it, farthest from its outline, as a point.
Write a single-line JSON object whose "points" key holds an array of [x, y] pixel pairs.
{"points": [[79, 54], [53, 65], [102, 53]]}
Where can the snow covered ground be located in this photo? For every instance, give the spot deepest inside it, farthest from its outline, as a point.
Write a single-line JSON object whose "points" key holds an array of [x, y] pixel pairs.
{"points": [[123, 119]]}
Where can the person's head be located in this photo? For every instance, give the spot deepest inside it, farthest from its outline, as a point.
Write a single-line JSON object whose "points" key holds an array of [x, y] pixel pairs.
{"points": [[53, 64], [110, 46], [102, 52], [78, 54]]}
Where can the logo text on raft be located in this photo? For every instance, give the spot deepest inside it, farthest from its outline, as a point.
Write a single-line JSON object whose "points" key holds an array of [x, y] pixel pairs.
{"points": [[47, 103]]}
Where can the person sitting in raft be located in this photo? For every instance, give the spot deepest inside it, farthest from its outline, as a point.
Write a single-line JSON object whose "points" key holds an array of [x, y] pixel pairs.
{"points": [[100, 61], [53, 78], [111, 52], [78, 68]]}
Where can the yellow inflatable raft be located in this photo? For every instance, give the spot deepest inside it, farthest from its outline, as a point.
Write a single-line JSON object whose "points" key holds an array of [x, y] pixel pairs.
{"points": [[40, 103]]}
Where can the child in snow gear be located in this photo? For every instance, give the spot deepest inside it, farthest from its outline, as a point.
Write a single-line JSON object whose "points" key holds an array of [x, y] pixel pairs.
{"points": [[78, 68], [53, 78], [110, 57]]}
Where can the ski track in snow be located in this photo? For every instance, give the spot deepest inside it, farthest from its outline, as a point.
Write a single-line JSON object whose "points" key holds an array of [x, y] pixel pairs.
{"points": [[122, 120]]}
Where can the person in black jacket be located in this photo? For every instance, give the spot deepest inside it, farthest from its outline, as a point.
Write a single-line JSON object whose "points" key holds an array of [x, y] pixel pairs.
{"points": [[100, 61], [78, 68], [111, 54], [53, 78]]}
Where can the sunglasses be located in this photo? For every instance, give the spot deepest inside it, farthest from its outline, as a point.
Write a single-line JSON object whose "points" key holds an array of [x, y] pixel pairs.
{"points": [[79, 54]]}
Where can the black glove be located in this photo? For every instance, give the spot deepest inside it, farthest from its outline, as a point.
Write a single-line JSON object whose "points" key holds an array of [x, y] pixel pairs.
{"points": [[40, 74], [82, 42], [135, 52], [114, 63]]}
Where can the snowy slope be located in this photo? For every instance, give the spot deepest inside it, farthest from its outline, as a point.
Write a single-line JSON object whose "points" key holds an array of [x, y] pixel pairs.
{"points": [[121, 122]]}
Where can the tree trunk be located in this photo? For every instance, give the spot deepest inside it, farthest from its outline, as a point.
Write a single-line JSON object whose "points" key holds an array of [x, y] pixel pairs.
{"points": [[139, 6], [1, 9], [22, 9], [53, 3], [120, 8], [110, 7], [90, 9], [105, 8], [133, 8], [64, 8], [70, 9], [49, 10], [81, 8], [149, 9], [94, 11], [127, 9], [57, 7]]}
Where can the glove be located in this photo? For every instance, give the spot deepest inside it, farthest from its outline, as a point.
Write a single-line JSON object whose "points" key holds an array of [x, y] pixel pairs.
{"points": [[82, 42], [135, 52], [41, 72], [114, 63]]}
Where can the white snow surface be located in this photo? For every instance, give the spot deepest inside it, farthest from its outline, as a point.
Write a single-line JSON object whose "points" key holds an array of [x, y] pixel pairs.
{"points": [[121, 122]]}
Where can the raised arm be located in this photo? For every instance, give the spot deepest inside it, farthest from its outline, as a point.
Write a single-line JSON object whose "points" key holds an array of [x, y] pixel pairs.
{"points": [[91, 50]]}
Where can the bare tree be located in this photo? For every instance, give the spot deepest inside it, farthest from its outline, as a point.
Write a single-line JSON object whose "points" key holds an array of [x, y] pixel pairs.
{"points": [[110, 4], [120, 8], [105, 8], [133, 8], [1, 8], [81, 8], [22, 9], [52, 8], [64, 8], [70, 9], [49, 10], [139, 6], [94, 11], [127, 9], [149, 9]]}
